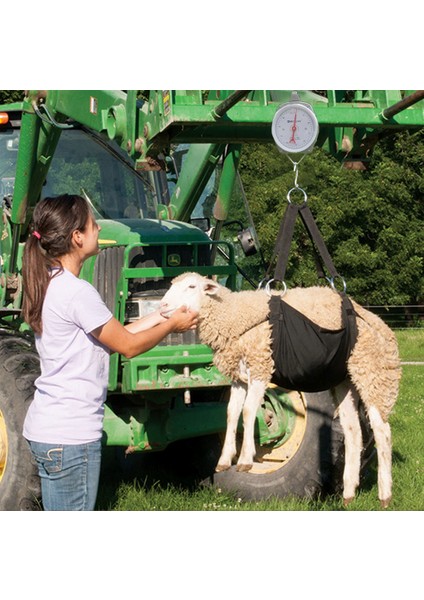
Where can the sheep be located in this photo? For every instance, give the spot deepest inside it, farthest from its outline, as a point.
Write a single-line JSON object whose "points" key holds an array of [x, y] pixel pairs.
{"points": [[236, 326]]}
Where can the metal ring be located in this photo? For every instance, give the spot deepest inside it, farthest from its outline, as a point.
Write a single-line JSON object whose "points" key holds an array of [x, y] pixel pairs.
{"points": [[331, 282], [261, 283], [297, 189], [268, 289]]}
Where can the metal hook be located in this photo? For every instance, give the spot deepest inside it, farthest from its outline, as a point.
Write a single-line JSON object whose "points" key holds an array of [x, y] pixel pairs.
{"points": [[296, 175], [296, 169]]}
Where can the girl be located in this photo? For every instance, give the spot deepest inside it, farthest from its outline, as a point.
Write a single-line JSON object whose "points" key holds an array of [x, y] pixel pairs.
{"points": [[74, 332]]}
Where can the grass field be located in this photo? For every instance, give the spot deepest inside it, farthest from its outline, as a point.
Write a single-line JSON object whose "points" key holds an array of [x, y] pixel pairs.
{"points": [[154, 489]]}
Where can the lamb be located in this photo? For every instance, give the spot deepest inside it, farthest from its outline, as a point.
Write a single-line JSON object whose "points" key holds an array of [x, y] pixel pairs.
{"points": [[236, 326]]}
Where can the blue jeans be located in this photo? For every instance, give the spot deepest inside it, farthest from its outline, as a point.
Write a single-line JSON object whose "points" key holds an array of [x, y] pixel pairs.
{"points": [[69, 474]]}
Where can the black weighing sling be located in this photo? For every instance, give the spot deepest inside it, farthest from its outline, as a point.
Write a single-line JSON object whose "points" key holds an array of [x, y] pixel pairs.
{"points": [[308, 357]]}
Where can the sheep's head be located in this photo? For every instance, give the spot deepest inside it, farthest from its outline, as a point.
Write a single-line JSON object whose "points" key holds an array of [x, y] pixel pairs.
{"points": [[188, 289]]}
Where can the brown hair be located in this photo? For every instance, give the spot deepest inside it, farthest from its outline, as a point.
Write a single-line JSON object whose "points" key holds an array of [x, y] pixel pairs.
{"points": [[53, 223]]}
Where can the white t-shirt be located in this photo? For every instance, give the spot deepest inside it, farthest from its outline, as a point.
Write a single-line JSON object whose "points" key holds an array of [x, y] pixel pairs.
{"points": [[71, 390]]}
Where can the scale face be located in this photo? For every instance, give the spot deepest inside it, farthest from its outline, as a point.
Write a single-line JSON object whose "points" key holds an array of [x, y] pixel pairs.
{"points": [[295, 127]]}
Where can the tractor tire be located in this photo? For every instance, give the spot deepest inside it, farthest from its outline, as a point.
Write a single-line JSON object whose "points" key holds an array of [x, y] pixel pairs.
{"points": [[309, 464], [20, 487]]}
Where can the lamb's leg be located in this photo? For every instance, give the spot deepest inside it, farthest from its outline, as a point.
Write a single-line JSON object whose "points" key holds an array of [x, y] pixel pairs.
{"points": [[253, 401], [235, 405], [383, 442], [349, 419]]}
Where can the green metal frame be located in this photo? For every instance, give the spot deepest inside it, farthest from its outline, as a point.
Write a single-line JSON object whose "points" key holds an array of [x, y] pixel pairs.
{"points": [[153, 427], [351, 122], [145, 409], [158, 378], [163, 367]]}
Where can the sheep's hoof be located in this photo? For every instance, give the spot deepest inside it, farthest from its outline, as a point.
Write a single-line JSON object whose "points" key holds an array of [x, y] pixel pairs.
{"points": [[385, 503], [347, 501], [221, 467], [243, 468]]}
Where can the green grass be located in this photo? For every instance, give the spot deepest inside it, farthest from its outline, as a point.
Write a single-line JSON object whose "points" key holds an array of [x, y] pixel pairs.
{"points": [[155, 489], [411, 344]]}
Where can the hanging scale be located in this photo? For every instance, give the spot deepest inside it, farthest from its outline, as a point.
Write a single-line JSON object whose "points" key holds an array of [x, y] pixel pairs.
{"points": [[295, 127], [295, 131]]}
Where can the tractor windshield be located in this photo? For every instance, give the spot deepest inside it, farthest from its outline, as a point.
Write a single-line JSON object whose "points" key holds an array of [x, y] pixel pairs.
{"points": [[87, 165]]}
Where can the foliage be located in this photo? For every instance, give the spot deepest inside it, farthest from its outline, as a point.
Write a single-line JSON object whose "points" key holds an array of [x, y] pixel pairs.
{"points": [[8, 96], [371, 220], [70, 178]]}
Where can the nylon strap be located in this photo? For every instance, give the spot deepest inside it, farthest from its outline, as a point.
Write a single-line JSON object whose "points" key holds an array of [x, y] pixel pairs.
{"points": [[316, 238], [282, 249], [283, 243], [285, 236]]}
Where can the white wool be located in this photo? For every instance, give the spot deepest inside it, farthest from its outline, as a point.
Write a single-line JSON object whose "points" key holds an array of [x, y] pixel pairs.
{"points": [[235, 325]]}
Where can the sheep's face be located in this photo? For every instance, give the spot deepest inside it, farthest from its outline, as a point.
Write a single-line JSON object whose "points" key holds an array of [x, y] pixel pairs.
{"points": [[189, 290]]}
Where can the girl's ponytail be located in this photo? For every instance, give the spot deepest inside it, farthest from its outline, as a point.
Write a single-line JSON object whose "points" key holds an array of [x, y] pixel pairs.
{"points": [[36, 265], [54, 221]]}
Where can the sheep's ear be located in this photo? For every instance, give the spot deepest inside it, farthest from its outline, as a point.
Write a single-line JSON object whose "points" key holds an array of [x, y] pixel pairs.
{"points": [[210, 288]]}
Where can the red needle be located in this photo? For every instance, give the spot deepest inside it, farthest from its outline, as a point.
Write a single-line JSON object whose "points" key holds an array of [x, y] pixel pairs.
{"points": [[293, 129]]}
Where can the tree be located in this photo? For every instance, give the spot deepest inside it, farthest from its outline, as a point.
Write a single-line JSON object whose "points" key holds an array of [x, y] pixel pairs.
{"points": [[8, 96], [372, 220]]}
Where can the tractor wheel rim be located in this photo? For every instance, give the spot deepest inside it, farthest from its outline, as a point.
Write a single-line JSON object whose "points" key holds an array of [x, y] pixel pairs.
{"points": [[270, 460]]}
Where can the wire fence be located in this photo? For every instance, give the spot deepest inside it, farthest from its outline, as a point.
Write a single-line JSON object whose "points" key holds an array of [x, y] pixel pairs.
{"points": [[401, 317]]}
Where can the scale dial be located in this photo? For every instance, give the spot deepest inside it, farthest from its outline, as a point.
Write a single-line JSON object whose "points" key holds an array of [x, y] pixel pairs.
{"points": [[295, 127]]}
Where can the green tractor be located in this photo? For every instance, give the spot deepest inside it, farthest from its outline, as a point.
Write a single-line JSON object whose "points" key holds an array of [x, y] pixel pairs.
{"points": [[160, 170]]}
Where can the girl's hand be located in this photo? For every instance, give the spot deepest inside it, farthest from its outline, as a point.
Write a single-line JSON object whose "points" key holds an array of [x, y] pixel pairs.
{"points": [[183, 319]]}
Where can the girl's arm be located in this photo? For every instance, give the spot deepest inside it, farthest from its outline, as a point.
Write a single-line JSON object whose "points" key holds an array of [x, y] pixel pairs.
{"points": [[150, 320], [121, 339]]}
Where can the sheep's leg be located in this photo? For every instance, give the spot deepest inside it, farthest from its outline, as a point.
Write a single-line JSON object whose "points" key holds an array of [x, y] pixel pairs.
{"points": [[383, 442], [254, 398], [235, 405], [349, 419]]}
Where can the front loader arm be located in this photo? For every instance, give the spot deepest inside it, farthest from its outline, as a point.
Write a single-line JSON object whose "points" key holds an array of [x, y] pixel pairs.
{"points": [[44, 116], [350, 124], [144, 129]]}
